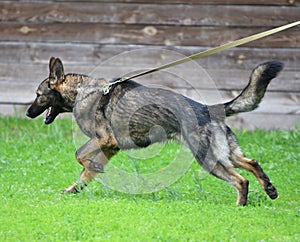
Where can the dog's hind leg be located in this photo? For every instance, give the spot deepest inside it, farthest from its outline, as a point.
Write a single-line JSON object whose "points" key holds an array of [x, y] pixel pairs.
{"points": [[229, 174], [226, 172], [93, 156], [252, 165], [211, 150], [220, 166], [240, 161]]}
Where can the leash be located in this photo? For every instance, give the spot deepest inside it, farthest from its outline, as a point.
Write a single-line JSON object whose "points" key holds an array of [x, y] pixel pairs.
{"points": [[107, 87]]}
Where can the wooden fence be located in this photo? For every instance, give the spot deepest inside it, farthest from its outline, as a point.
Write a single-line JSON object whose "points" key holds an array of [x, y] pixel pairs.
{"points": [[111, 38]]}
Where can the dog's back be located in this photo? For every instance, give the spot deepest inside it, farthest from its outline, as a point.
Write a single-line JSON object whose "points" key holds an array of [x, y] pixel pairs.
{"points": [[139, 115]]}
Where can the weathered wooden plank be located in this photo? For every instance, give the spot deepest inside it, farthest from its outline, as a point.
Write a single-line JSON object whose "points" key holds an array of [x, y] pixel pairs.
{"points": [[13, 110], [93, 54], [198, 2], [147, 14], [251, 121], [236, 79], [181, 77], [145, 35], [221, 2], [273, 103]]}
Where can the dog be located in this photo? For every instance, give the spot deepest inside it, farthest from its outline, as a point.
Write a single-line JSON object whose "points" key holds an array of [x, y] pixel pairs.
{"points": [[132, 115]]}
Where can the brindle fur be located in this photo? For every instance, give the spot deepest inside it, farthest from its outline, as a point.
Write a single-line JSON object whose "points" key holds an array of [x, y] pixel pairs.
{"points": [[134, 116]]}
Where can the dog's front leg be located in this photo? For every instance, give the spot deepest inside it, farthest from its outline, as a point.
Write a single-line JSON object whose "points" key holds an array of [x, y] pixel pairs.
{"points": [[85, 177], [93, 156]]}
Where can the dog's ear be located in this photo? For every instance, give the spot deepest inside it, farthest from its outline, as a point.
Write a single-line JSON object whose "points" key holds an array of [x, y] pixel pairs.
{"points": [[56, 71]]}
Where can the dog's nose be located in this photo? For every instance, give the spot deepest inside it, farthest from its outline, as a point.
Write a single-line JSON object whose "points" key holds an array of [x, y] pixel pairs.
{"points": [[28, 114]]}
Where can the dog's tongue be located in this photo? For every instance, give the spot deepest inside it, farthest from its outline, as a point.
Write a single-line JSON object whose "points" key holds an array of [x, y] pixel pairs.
{"points": [[47, 113]]}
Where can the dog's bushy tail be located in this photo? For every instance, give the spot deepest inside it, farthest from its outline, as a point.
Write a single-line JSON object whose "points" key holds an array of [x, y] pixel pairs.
{"points": [[253, 93]]}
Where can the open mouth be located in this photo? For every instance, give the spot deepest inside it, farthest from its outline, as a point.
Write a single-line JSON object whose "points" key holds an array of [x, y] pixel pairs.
{"points": [[50, 115], [47, 113]]}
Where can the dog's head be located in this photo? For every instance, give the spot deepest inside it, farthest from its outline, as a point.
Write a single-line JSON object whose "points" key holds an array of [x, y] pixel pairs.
{"points": [[48, 98]]}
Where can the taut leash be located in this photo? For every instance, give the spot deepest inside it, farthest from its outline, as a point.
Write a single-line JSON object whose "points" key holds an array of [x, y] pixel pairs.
{"points": [[202, 54]]}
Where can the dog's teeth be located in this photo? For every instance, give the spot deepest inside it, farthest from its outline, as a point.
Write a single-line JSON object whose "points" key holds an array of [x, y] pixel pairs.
{"points": [[46, 114], [48, 111]]}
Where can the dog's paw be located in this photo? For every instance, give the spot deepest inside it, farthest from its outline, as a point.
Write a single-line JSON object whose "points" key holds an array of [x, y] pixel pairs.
{"points": [[73, 189], [271, 191]]}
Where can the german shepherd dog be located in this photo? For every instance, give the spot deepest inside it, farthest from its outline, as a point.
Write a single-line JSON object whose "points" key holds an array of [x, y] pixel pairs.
{"points": [[132, 116]]}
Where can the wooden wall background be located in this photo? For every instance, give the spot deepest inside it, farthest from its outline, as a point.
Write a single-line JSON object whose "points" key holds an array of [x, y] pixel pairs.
{"points": [[87, 34]]}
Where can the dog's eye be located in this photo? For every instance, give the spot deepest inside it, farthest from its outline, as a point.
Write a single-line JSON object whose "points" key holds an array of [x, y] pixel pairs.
{"points": [[42, 99]]}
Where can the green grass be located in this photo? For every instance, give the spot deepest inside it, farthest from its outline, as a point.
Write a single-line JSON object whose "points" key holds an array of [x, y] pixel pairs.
{"points": [[37, 162]]}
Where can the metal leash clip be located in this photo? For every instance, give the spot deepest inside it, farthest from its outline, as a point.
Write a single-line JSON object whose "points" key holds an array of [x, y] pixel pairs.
{"points": [[107, 87]]}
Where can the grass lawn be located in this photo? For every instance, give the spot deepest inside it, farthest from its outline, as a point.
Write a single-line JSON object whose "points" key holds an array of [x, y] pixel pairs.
{"points": [[37, 162]]}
